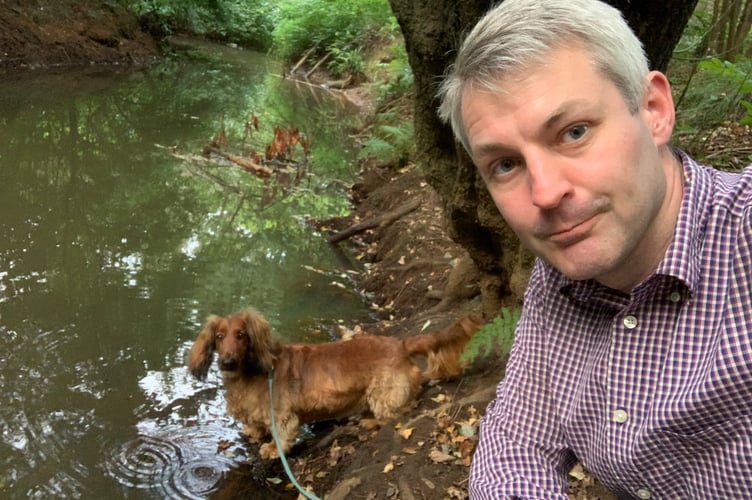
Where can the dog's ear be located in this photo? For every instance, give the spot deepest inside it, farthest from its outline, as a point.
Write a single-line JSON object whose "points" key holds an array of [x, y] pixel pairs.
{"points": [[263, 345], [200, 356]]}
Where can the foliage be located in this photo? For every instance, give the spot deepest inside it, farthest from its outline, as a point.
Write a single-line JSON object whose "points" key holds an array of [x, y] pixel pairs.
{"points": [[499, 332], [709, 89], [399, 75], [246, 22], [345, 61], [390, 144], [340, 28]]}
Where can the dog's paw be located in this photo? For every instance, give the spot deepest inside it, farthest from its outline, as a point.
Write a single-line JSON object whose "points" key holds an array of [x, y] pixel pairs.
{"points": [[268, 451]]}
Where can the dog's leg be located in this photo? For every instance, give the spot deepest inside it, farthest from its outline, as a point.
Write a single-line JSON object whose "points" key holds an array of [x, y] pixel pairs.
{"points": [[287, 431], [391, 392], [255, 431]]}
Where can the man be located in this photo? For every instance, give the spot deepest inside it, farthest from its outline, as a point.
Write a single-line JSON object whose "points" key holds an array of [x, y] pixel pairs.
{"points": [[633, 353]]}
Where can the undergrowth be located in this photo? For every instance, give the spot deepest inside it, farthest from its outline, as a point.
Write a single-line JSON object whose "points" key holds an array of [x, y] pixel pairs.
{"points": [[499, 334]]}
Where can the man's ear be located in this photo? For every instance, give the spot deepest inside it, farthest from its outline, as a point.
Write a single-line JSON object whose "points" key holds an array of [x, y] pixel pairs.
{"points": [[658, 108]]}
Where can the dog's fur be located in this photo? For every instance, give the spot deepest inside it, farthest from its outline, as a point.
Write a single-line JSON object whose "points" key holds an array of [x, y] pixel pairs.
{"points": [[319, 381]]}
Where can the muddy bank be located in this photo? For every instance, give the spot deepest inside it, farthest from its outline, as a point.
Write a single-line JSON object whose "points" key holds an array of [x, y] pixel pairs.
{"points": [[64, 33]]}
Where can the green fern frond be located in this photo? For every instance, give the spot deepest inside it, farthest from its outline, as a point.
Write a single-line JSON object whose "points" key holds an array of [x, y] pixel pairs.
{"points": [[499, 332]]}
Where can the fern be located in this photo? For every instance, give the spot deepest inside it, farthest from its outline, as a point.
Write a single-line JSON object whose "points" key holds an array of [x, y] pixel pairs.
{"points": [[500, 331]]}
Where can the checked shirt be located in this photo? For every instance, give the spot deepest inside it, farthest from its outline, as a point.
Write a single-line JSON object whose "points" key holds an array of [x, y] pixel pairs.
{"points": [[651, 391]]}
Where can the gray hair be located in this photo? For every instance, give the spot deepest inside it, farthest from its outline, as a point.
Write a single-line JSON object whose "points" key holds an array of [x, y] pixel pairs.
{"points": [[518, 34]]}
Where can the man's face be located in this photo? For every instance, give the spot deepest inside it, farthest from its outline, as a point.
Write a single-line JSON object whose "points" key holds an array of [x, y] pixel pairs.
{"points": [[579, 178]]}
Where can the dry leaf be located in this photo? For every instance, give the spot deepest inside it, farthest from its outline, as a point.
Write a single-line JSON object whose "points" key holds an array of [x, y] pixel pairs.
{"points": [[440, 398], [440, 457], [388, 467], [406, 433], [577, 472]]}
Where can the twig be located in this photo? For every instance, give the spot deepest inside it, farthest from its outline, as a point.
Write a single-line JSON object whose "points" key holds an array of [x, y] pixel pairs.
{"points": [[302, 60]]}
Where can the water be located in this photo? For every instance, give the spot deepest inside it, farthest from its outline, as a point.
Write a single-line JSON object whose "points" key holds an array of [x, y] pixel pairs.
{"points": [[116, 242]]}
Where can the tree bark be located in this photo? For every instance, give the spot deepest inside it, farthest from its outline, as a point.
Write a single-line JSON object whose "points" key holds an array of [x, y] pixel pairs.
{"points": [[432, 30]]}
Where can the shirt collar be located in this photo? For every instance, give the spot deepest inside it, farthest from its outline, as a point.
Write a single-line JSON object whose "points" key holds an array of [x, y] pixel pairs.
{"points": [[680, 262]]}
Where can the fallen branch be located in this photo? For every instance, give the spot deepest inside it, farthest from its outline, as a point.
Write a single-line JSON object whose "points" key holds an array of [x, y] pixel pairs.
{"points": [[245, 163], [316, 66], [381, 220]]}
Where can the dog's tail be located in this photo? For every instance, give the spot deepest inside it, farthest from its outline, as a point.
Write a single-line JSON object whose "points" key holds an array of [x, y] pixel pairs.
{"points": [[442, 348]]}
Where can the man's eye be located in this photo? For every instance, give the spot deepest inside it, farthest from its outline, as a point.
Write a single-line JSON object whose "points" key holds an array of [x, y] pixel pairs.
{"points": [[575, 133], [504, 166]]}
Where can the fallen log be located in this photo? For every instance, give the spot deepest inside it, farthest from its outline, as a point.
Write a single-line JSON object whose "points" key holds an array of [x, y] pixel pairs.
{"points": [[380, 220]]}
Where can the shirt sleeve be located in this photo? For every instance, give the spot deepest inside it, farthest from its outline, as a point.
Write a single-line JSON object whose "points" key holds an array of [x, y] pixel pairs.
{"points": [[521, 452]]}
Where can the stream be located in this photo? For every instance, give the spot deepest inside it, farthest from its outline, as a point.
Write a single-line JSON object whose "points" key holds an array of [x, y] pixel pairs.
{"points": [[118, 239]]}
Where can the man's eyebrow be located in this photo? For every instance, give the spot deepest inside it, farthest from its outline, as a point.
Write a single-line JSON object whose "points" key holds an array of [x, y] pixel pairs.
{"points": [[561, 112]]}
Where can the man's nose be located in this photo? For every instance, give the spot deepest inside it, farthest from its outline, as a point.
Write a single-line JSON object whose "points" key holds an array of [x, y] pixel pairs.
{"points": [[548, 181]]}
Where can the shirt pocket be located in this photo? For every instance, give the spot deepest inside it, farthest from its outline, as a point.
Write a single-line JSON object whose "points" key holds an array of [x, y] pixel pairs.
{"points": [[700, 438]]}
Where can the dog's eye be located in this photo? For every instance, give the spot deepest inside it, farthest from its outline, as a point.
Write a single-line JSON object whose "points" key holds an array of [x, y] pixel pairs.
{"points": [[220, 336], [239, 335]]}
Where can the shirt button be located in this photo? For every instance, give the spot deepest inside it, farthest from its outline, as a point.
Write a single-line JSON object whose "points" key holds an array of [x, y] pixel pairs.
{"points": [[644, 493], [630, 322], [620, 416], [675, 297]]}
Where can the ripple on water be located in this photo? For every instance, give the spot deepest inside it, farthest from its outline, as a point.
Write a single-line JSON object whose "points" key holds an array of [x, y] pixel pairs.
{"points": [[184, 464]]}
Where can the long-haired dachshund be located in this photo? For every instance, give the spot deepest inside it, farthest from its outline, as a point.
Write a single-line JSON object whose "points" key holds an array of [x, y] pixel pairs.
{"points": [[314, 382]]}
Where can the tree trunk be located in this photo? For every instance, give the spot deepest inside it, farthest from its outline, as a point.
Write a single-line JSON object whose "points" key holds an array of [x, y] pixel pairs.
{"points": [[432, 30]]}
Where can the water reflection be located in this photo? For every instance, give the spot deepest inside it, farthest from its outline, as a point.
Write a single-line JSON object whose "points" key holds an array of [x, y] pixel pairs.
{"points": [[113, 252]]}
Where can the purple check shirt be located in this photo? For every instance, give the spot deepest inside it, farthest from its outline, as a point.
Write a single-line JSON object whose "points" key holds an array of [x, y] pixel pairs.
{"points": [[651, 391]]}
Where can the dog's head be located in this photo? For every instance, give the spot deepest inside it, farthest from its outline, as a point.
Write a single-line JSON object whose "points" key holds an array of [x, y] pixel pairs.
{"points": [[243, 343]]}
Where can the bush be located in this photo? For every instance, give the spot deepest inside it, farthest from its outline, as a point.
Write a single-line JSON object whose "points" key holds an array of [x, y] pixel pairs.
{"points": [[245, 22], [342, 28]]}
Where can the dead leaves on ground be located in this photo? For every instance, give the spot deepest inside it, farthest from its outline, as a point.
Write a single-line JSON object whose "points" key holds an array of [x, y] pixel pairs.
{"points": [[451, 442]]}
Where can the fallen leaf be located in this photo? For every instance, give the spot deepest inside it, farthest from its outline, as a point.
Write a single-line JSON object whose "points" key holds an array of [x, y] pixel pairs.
{"points": [[439, 398], [440, 457], [388, 467], [467, 430], [406, 433], [577, 472], [466, 449]]}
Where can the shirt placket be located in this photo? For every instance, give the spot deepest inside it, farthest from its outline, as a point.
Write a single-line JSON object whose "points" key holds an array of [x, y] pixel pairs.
{"points": [[634, 363]]}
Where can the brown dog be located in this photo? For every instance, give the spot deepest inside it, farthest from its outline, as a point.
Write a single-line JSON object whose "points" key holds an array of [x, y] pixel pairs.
{"points": [[319, 381]]}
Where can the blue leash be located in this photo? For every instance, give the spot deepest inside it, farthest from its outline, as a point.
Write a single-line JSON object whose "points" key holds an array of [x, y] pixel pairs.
{"points": [[289, 473]]}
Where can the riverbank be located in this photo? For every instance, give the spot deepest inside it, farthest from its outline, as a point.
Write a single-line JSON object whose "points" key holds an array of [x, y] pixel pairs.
{"points": [[67, 33]]}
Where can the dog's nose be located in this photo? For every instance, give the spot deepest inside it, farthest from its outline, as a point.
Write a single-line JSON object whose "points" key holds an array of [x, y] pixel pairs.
{"points": [[229, 364]]}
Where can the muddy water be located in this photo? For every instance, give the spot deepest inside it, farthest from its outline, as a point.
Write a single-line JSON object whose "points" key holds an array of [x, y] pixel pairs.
{"points": [[116, 243]]}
